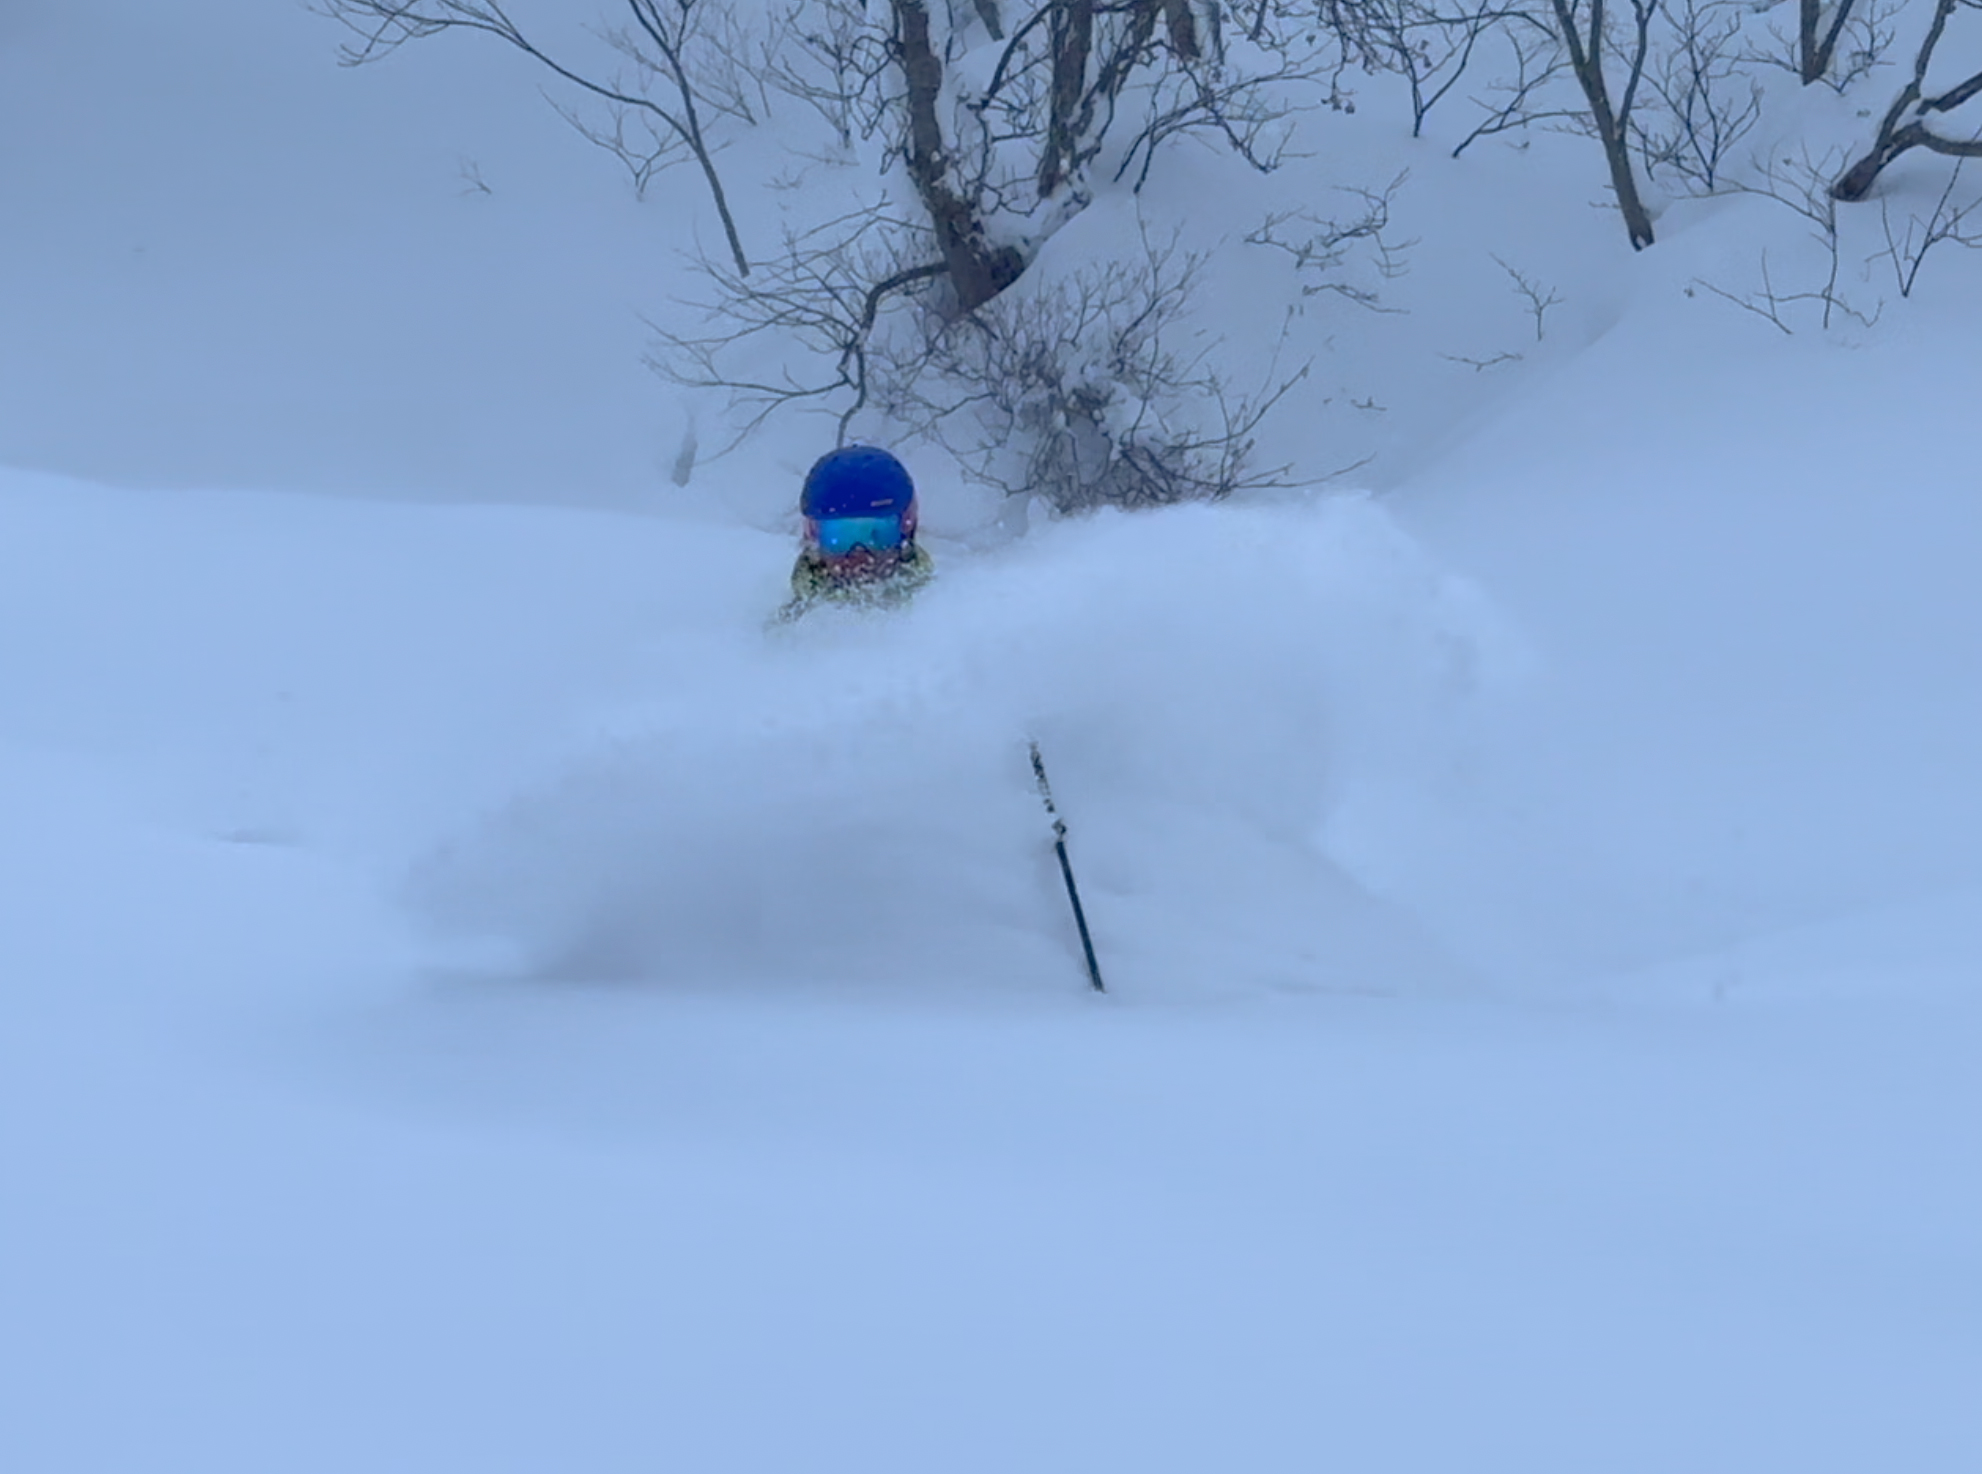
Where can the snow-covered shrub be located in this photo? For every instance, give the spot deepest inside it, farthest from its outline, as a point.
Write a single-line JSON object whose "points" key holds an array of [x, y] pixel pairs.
{"points": [[1075, 389], [1085, 389]]}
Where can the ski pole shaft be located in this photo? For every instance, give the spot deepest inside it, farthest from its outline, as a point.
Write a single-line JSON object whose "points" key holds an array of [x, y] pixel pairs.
{"points": [[1066, 866]]}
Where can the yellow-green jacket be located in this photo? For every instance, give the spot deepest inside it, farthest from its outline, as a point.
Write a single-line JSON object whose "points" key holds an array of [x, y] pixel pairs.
{"points": [[878, 583]]}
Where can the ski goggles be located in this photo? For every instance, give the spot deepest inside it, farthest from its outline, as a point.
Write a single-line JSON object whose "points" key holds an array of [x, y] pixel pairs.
{"points": [[839, 536]]}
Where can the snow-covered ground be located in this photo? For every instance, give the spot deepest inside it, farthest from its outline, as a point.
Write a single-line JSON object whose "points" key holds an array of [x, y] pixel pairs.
{"points": [[471, 998]]}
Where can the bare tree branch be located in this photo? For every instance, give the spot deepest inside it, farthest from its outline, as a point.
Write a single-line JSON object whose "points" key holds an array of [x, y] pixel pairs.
{"points": [[383, 26], [1907, 249]]}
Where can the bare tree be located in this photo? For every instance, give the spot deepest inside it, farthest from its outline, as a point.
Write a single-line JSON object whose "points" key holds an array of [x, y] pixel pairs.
{"points": [[1586, 33], [660, 41], [817, 300], [1817, 36], [1837, 46], [839, 63], [1907, 246], [1527, 97], [1905, 125], [1321, 249], [1430, 48], [1800, 185], [1071, 390], [884, 68], [1078, 71], [977, 269], [1702, 103], [997, 165]]}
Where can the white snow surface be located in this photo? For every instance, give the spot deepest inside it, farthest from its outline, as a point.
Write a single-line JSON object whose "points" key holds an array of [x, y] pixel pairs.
{"points": [[474, 997]]}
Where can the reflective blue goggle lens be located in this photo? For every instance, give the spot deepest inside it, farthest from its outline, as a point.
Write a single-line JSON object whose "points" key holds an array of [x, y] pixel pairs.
{"points": [[839, 536]]}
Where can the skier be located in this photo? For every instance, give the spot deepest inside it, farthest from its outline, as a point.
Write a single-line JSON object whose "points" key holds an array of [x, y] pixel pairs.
{"points": [[859, 549]]}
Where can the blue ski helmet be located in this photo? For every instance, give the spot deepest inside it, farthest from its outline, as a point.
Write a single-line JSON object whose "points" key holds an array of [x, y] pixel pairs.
{"points": [[856, 481]]}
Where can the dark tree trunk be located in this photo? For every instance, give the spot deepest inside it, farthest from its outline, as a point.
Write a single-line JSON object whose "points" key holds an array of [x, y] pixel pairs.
{"points": [[1073, 47], [977, 273], [1896, 137], [1624, 184], [1612, 123], [1816, 43], [1857, 181], [1183, 29]]}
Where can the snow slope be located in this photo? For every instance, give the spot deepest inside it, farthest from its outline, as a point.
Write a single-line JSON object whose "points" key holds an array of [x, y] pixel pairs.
{"points": [[471, 997]]}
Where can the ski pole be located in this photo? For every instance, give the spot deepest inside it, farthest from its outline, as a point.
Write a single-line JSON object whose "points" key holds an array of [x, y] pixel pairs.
{"points": [[1066, 865]]}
